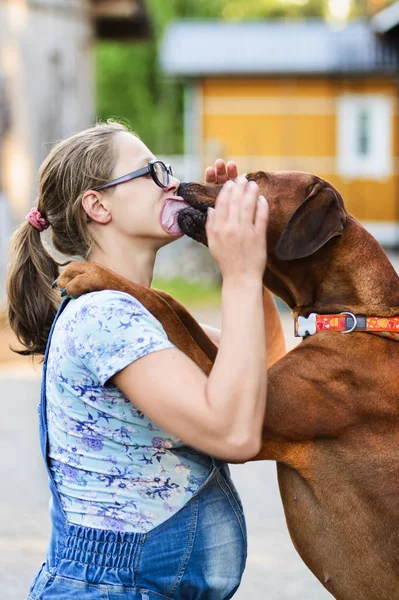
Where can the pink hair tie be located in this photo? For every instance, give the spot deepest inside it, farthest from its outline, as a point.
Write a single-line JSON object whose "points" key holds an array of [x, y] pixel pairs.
{"points": [[36, 219]]}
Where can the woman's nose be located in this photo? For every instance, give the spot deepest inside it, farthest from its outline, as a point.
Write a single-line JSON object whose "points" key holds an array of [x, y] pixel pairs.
{"points": [[173, 184]]}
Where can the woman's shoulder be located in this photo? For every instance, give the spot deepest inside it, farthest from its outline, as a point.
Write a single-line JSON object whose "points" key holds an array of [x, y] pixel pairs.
{"points": [[106, 301], [110, 307], [108, 330]]}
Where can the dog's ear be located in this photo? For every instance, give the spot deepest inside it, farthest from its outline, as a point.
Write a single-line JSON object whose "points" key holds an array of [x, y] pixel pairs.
{"points": [[318, 219]]}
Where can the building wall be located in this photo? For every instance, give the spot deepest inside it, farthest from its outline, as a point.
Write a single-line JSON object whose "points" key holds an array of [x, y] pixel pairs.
{"points": [[293, 124], [46, 58]]}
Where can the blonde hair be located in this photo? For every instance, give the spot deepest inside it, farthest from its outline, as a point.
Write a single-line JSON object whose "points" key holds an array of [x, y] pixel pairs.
{"points": [[73, 166]]}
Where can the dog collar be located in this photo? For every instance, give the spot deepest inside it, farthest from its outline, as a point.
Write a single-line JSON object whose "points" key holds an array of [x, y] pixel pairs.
{"points": [[345, 322]]}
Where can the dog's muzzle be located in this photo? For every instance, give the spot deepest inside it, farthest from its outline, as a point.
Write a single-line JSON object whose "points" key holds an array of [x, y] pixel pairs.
{"points": [[192, 220]]}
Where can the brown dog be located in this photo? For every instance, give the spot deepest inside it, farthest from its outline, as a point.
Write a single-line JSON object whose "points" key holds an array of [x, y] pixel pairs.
{"points": [[332, 417]]}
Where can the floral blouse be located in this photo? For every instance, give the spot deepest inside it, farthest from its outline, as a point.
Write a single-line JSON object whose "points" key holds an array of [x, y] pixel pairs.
{"points": [[113, 467]]}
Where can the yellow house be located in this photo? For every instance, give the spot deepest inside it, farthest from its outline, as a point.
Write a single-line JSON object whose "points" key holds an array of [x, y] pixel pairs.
{"points": [[293, 95]]}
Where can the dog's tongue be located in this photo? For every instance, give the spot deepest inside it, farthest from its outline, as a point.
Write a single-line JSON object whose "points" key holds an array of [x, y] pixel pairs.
{"points": [[170, 210]]}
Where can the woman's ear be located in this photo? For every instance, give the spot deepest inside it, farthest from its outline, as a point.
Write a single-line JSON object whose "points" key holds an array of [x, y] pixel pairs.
{"points": [[320, 217], [95, 209]]}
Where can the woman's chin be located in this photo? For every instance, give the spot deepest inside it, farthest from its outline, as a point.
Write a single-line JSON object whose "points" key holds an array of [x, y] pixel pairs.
{"points": [[166, 238]]}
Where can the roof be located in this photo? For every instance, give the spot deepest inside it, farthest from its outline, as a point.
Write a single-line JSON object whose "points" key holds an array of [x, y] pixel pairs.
{"points": [[387, 19], [195, 48]]}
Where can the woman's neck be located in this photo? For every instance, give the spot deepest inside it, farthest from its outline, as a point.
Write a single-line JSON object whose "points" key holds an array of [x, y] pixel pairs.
{"points": [[135, 264]]}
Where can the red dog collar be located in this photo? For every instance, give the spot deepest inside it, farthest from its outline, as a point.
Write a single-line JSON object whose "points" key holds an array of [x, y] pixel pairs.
{"points": [[345, 322]]}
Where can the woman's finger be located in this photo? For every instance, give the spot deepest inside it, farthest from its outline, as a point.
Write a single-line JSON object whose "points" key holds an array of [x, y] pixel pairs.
{"points": [[238, 191], [232, 171], [210, 218], [262, 216], [210, 175], [249, 203], [221, 171], [222, 205]]}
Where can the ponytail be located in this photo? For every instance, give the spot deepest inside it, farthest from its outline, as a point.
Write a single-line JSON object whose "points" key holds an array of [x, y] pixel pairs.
{"points": [[74, 165], [32, 304]]}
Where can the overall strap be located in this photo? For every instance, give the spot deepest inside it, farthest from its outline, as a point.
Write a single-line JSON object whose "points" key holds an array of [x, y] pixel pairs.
{"points": [[61, 308], [42, 405]]}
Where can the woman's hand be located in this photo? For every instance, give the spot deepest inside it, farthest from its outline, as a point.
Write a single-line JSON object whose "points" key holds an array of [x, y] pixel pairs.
{"points": [[236, 230], [221, 172]]}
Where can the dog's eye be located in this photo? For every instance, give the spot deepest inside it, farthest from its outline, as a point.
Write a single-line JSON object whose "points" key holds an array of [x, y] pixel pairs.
{"points": [[254, 176]]}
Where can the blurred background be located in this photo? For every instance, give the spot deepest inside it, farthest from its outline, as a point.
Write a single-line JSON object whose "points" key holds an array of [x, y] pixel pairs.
{"points": [[272, 84]]}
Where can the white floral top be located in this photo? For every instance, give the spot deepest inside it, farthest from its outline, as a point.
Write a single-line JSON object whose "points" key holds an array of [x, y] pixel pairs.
{"points": [[113, 468]]}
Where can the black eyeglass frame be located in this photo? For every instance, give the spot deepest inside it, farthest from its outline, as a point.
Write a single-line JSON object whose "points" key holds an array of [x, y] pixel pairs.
{"points": [[149, 169]]}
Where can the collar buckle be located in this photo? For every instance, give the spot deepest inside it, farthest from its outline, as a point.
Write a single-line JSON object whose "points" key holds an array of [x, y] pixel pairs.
{"points": [[306, 325], [354, 322]]}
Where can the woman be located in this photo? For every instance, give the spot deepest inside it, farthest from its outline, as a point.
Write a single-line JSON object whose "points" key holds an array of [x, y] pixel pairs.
{"points": [[135, 437]]}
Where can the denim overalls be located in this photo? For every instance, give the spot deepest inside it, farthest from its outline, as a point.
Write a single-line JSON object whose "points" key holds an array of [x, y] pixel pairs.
{"points": [[199, 553]]}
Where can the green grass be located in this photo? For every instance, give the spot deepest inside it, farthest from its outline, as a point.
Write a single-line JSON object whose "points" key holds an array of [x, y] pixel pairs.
{"points": [[189, 294]]}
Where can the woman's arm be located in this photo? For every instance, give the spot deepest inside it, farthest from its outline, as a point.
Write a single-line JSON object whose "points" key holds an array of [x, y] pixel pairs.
{"points": [[223, 414]]}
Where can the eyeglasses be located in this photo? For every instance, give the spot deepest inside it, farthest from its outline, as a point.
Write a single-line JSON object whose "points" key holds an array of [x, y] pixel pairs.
{"points": [[156, 168]]}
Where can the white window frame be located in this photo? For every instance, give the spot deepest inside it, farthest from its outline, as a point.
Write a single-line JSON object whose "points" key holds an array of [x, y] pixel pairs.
{"points": [[378, 163]]}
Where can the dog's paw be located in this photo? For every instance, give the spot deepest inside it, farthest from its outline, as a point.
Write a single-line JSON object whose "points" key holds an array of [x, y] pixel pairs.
{"points": [[81, 277]]}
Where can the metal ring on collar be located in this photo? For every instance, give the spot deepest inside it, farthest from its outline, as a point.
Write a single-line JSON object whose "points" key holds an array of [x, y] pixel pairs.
{"points": [[354, 322]]}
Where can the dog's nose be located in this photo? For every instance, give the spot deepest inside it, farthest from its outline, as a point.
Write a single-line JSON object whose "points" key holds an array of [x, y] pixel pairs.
{"points": [[183, 184]]}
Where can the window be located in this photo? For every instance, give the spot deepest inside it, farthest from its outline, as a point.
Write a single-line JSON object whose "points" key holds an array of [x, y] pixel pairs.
{"points": [[364, 133], [364, 136]]}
